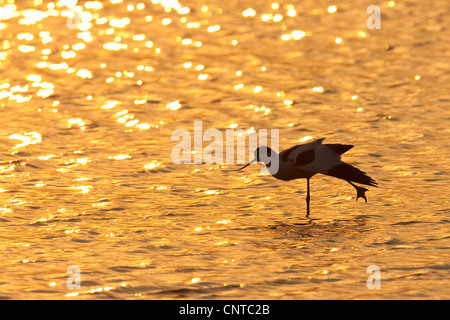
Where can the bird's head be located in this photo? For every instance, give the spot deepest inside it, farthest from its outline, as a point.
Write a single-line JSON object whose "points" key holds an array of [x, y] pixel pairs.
{"points": [[265, 155]]}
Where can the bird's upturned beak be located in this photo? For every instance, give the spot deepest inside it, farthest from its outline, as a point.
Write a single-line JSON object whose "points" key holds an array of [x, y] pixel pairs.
{"points": [[245, 165]]}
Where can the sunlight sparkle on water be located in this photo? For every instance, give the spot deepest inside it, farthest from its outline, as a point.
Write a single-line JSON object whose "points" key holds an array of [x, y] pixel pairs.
{"points": [[307, 138], [332, 9], [152, 165], [249, 12], [27, 139], [174, 105], [120, 157]]}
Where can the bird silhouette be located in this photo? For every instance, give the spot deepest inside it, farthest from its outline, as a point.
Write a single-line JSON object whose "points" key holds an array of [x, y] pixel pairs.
{"points": [[306, 160]]}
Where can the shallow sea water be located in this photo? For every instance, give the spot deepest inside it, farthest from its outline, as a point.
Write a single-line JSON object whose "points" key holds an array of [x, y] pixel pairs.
{"points": [[86, 175]]}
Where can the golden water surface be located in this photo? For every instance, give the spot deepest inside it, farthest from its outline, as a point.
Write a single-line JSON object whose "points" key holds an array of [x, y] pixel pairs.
{"points": [[91, 92]]}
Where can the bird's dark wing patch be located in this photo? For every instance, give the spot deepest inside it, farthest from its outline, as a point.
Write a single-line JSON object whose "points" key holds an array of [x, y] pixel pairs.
{"points": [[305, 157], [285, 154], [339, 148], [310, 145]]}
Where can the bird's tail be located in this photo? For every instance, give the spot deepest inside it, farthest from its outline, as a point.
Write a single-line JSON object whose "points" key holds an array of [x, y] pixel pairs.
{"points": [[348, 172]]}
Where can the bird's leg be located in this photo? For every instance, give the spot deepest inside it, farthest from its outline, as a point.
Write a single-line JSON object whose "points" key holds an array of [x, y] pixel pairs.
{"points": [[360, 191], [308, 197]]}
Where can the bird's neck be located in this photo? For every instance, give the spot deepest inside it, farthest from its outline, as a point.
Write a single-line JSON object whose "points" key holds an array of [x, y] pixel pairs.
{"points": [[273, 164]]}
